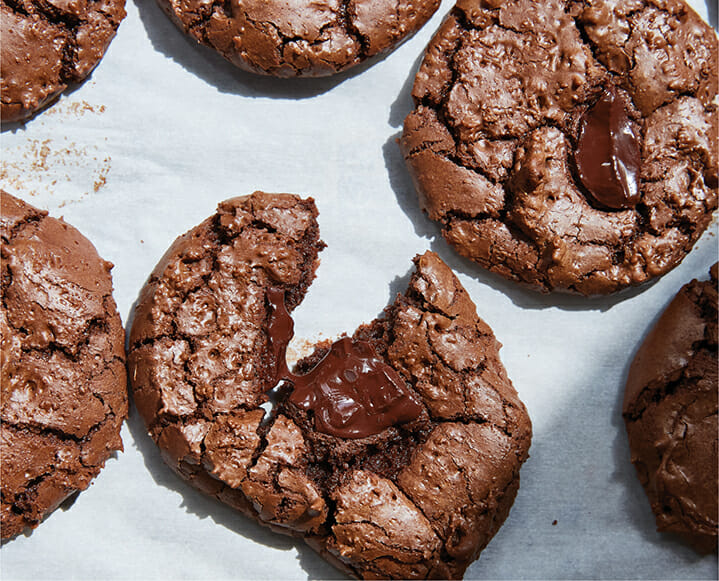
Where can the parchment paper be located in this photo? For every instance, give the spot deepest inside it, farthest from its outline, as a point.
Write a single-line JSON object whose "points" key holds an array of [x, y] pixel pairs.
{"points": [[146, 148]]}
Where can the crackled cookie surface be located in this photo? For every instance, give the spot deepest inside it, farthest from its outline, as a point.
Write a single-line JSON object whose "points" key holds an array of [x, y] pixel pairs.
{"points": [[62, 366], [299, 37], [568, 145], [393, 453], [47, 45], [670, 411]]}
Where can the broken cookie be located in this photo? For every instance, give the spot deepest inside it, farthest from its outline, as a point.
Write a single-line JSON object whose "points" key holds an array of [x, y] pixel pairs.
{"points": [[670, 412], [300, 38], [395, 453], [62, 370], [49, 45], [568, 145]]}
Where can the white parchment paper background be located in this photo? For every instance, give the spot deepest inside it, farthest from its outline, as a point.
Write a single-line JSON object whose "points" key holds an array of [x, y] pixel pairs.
{"points": [[146, 148]]}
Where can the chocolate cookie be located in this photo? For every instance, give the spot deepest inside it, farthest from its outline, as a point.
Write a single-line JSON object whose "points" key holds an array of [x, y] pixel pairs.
{"points": [[393, 453], [670, 411], [48, 45], [303, 37], [62, 370], [568, 145]]}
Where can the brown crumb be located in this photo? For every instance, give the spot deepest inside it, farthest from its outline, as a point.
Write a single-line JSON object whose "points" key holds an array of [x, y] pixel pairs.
{"points": [[300, 348], [75, 108], [67, 170]]}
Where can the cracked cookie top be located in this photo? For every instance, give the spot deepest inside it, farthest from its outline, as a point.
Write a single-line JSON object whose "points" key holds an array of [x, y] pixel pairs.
{"points": [[300, 37], [62, 366], [568, 145], [670, 412], [416, 494], [49, 44]]}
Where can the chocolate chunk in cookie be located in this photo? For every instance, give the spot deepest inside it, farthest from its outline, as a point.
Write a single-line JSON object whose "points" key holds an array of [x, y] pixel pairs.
{"points": [[670, 411], [395, 453], [299, 38], [62, 372], [568, 145], [48, 45]]}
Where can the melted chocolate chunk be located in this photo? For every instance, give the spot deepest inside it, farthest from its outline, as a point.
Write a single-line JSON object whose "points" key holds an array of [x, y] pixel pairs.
{"points": [[281, 328], [608, 152], [351, 391]]}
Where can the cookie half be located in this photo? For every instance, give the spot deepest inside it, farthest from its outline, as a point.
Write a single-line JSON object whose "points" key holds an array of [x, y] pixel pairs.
{"points": [[394, 453], [302, 38], [568, 145], [670, 411], [64, 386], [48, 45]]}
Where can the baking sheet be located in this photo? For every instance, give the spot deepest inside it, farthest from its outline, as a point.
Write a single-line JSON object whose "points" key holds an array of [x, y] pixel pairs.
{"points": [[146, 148]]}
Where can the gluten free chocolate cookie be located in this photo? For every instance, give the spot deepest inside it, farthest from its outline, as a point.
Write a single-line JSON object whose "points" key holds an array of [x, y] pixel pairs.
{"points": [[48, 45], [568, 145], [303, 37], [670, 411], [62, 365], [394, 452]]}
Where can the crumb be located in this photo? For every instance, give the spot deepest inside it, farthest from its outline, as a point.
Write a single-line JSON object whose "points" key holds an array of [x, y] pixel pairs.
{"points": [[34, 167], [75, 108], [298, 349], [554, 523], [99, 182]]}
